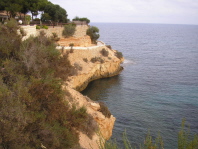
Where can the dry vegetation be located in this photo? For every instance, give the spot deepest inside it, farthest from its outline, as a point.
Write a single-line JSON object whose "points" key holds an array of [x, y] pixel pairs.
{"points": [[33, 106]]}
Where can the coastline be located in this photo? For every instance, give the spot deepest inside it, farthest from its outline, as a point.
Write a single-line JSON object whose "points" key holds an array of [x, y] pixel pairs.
{"points": [[92, 64], [88, 62]]}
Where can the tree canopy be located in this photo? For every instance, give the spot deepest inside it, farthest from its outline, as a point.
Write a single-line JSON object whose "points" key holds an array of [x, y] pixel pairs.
{"points": [[48, 9], [57, 13], [81, 19], [93, 32], [36, 5], [11, 6]]}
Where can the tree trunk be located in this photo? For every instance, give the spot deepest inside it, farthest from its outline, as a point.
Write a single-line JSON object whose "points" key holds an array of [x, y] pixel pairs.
{"points": [[32, 15]]}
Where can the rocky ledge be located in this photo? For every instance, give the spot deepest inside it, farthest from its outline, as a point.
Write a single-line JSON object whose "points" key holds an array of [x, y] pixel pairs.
{"points": [[93, 63]]}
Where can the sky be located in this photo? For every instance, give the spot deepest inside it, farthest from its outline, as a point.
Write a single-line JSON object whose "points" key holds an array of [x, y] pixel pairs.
{"points": [[133, 11]]}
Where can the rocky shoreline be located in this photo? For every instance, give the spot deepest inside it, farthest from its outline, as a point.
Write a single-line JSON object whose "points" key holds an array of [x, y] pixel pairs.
{"points": [[100, 62]]}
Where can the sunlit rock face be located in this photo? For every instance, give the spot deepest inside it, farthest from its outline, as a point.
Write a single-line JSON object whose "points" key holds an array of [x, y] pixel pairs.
{"points": [[92, 63]]}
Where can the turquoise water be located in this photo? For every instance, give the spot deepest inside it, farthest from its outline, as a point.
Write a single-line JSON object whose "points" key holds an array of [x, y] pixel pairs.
{"points": [[159, 84]]}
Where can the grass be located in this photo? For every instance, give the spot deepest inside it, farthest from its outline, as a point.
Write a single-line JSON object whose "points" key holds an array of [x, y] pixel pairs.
{"points": [[186, 140]]}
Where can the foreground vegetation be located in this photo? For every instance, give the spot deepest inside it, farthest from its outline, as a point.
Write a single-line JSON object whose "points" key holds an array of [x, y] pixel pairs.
{"points": [[185, 141], [34, 108]]}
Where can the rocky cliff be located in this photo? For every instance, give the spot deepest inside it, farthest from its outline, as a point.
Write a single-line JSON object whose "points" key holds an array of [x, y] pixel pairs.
{"points": [[92, 63]]}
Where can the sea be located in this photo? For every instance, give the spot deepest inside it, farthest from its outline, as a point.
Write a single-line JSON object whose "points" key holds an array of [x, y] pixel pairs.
{"points": [[159, 84]]}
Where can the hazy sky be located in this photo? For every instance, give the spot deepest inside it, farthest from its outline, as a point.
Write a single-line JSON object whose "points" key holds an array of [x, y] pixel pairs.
{"points": [[133, 11]]}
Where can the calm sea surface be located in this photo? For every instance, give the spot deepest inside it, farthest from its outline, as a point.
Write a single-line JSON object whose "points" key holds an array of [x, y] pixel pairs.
{"points": [[159, 84]]}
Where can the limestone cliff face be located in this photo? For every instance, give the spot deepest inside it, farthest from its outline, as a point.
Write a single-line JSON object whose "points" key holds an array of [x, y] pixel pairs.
{"points": [[104, 124], [93, 64], [83, 41]]}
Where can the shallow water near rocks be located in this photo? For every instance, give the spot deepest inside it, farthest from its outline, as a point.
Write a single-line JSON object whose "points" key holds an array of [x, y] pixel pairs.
{"points": [[159, 84]]}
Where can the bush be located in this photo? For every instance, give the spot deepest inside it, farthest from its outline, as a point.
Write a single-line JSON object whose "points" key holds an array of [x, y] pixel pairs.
{"points": [[81, 19], [23, 32], [185, 141], [97, 59], [45, 26], [69, 30], [38, 27], [71, 45], [85, 60], [108, 46], [93, 33], [85, 19], [55, 37], [10, 41], [82, 121], [33, 106], [104, 52], [71, 50], [119, 55], [104, 109]]}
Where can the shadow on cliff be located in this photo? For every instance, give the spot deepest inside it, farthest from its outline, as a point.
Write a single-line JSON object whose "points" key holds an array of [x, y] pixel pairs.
{"points": [[98, 89]]}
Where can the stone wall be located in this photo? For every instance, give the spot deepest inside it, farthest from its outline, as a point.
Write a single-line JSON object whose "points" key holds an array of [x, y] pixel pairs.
{"points": [[58, 30], [31, 30], [81, 30]]}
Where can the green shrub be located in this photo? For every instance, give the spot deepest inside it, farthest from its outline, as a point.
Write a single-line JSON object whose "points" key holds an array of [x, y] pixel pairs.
{"points": [[71, 50], [185, 141], [23, 32], [93, 32], [97, 59], [78, 116], [33, 106], [104, 109], [10, 41], [38, 27], [71, 45], [82, 121], [69, 30], [27, 19], [55, 37], [85, 60], [104, 52], [81, 19], [45, 26], [119, 54], [108, 46]]}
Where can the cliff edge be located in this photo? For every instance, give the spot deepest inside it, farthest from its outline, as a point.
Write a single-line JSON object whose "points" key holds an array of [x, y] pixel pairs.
{"points": [[92, 63]]}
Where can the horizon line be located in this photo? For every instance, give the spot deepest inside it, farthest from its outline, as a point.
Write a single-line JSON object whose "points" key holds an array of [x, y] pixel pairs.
{"points": [[146, 23]]}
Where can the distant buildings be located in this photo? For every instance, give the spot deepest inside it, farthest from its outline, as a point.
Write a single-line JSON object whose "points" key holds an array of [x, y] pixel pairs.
{"points": [[4, 15]]}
